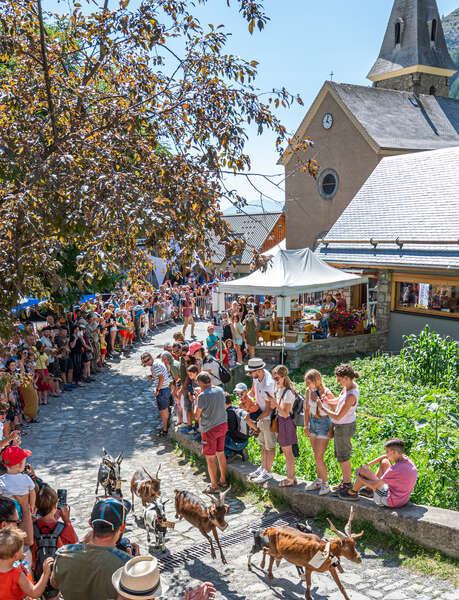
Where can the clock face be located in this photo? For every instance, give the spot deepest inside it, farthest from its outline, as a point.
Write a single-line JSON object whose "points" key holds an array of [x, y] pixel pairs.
{"points": [[327, 121]]}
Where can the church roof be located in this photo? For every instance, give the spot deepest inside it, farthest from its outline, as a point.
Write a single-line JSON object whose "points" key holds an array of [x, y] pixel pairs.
{"points": [[410, 197], [398, 120], [418, 26]]}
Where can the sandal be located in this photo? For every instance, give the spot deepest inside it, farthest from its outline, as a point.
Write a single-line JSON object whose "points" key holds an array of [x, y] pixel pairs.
{"points": [[210, 490], [287, 482], [223, 486]]}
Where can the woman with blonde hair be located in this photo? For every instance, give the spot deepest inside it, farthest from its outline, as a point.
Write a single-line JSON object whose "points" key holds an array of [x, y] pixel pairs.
{"points": [[318, 427], [284, 397]]}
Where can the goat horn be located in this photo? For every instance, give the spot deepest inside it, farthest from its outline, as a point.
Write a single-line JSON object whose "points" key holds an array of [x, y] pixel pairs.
{"points": [[157, 472], [223, 494], [348, 527], [214, 500], [356, 535], [340, 534], [147, 473]]}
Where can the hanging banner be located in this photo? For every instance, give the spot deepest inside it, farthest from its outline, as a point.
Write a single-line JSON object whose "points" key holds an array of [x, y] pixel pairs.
{"points": [[159, 267], [283, 305]]}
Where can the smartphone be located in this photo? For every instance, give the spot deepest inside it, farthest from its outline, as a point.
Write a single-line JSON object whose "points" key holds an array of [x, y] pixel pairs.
{"points": [[61, 498]]}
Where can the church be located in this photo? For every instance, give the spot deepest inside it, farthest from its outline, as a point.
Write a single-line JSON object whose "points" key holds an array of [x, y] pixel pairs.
{"points": [[354, 127]]}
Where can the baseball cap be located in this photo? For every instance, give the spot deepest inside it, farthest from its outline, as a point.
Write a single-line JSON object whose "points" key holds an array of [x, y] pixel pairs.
{"points": [[211, 326], [111, 511], [194, 347], [241, 387], [13, 455]]}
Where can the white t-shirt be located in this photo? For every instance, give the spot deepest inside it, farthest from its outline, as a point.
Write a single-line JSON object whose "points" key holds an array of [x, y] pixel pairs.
{"points": [[48, 344], [15, 485], [210, 365], [261, 387]]}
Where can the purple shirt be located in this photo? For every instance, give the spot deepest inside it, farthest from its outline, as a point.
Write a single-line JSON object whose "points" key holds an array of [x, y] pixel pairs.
{"points": [[401, 479]]}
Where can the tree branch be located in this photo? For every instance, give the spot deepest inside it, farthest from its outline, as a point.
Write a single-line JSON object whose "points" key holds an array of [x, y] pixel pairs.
{"points": [[45, 65]]}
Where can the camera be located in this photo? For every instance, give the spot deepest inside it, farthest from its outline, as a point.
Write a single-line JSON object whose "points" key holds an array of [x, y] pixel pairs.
{"points": [[125, 545]]}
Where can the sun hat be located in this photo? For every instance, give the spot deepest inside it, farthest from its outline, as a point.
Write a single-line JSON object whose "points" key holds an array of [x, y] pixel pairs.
{"points": [[194, 347], [139, 578], [211, 326], [112, 511], [255, 364], [167, 355], [13, 455], [240, 387]]}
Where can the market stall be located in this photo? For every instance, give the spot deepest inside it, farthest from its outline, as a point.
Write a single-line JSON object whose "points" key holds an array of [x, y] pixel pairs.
{"points": [[290, 274]]}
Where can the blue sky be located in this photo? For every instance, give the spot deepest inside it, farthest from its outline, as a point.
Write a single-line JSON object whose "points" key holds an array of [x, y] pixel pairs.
{"points": [[299, 47]]}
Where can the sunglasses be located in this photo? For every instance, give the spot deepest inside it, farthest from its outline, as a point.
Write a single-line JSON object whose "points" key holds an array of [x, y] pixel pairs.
{"points": [[16, 521]]}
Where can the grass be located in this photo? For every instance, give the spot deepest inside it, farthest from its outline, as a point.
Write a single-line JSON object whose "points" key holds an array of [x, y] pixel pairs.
{"points": [[393, 549]]}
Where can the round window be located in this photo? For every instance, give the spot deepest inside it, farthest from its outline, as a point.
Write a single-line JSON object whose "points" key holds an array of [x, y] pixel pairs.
{"points": [[328, 183]]}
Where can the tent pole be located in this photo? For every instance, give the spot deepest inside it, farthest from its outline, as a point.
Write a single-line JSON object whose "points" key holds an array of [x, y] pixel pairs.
{"points": [[283, 335]]}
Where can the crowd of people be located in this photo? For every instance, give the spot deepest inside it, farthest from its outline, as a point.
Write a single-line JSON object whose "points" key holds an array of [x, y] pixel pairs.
{"points": [[40, 554]]}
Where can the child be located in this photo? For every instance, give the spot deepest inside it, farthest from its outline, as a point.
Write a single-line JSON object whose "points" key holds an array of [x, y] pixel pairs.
{"points": [[190, 387], [231, 353], [103, 344], [17, 485], [14, 584], [246, 402], [394, 480]]}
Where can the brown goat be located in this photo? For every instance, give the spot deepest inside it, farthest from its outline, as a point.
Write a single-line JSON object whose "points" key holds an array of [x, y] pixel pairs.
{"points": [[146, 487], [311, 552], [205, 518]]}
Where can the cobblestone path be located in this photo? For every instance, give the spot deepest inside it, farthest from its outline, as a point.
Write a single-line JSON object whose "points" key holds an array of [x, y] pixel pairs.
{"points": [[117, 412]]}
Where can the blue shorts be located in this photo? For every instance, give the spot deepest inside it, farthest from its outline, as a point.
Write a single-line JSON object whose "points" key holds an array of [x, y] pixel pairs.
{"points": [[163, 397], [320, 426]]}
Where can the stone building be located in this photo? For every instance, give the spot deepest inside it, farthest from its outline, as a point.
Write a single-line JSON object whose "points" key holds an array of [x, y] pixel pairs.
{"points": [[354, 127], [402, 230]]}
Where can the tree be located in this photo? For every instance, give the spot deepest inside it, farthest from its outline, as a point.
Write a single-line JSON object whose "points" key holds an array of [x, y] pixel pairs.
{"points": [[87, 102]]}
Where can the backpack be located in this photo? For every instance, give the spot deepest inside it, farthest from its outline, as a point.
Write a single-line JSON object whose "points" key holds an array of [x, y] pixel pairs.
{"points": [[243, 430], [297, 412], [46, 547], [223, 373]]}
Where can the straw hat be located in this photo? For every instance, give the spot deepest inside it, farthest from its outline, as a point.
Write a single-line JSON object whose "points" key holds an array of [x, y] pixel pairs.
{"points": [[139, 579]]}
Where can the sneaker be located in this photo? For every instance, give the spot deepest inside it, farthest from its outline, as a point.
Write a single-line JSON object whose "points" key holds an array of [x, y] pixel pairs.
{"points": [[255, 473], [336, 489], [366, 492], [264, 476], [314, 485], [324, 489], [186, 429], [348, 494]]}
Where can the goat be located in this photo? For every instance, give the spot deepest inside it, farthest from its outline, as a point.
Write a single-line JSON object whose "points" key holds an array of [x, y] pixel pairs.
{"points": [[146, 487], [310, 551], [154, 517], [205, 518], [260, 542], [109, 474]]}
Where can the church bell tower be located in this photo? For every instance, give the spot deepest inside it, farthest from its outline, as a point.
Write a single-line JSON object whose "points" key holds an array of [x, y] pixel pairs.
{"points": [[414, 56]]}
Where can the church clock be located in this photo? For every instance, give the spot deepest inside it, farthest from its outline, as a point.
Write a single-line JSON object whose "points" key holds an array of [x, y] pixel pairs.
{"points": [[327, 121]]}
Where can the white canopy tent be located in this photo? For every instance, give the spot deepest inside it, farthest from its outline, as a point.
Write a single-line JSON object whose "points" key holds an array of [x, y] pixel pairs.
{"points": [[291, 272], [275, 250]]}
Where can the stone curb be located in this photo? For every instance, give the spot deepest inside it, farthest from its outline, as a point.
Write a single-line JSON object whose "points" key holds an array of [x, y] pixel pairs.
{"points": [[431, 527]]}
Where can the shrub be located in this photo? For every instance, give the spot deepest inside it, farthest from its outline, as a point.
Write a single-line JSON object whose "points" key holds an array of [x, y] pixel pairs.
{"points": [[429, 358]]}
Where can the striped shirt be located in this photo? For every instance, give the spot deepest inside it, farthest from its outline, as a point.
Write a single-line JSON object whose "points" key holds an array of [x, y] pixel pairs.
{"points": [[159, 368]]}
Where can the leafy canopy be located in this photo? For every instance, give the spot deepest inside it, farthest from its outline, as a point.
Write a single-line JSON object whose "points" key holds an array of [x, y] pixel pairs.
{"points": [[88, 103]]}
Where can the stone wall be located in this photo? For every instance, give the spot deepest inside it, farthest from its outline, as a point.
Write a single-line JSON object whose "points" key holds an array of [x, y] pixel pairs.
{"points": [[332, 347], [383, 301], [421, 83]]}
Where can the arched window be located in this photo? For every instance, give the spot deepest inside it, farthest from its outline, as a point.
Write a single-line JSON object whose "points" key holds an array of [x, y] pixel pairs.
{"points": [[398, 32], [432, 91], [433, 30]]}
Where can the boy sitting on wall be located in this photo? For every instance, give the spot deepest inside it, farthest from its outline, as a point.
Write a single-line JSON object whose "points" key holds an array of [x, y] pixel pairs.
{"points": [[393, 482]]}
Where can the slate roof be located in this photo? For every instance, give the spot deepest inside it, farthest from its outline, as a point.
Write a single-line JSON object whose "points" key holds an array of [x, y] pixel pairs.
{"points": [[393, 121], [254, 227], [410, 197], [415, 17]]}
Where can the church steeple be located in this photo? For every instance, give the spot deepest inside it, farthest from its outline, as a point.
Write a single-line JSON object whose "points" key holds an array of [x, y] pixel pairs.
{"points": [[414, 56]]}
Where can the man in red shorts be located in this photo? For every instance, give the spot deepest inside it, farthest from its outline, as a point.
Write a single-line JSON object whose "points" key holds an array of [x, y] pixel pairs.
{"points": [[210, 411]]}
